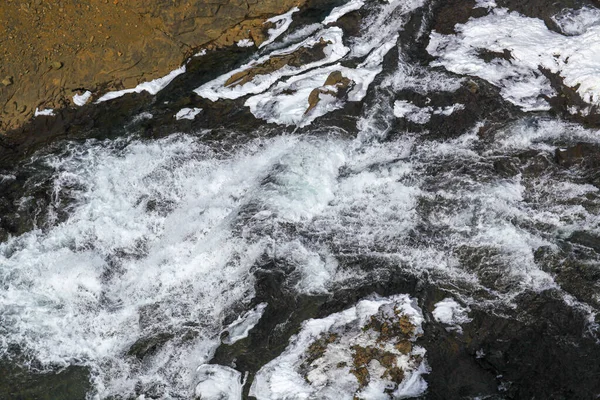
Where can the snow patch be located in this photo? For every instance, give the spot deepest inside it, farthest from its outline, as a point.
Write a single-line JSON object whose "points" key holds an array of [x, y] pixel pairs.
{"points": [[48, 112], [187, 113], [240, 328], [452, 314], [152, 87], [531, 46], [82, 99], [245, 43]]}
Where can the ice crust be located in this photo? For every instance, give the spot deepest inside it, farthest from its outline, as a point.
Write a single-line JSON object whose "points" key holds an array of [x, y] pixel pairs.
{"points": [[48, 112], [188, 113], [281, 378], [532, 46], [451, 314], [152, 87], [82, 99]]}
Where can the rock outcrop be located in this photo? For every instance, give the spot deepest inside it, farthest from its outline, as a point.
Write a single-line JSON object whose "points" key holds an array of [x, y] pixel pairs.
{"points": [[54, 50]]}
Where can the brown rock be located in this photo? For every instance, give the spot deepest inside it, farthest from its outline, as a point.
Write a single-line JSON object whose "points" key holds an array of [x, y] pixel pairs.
{"points": [[302, 56], [81, 39]]}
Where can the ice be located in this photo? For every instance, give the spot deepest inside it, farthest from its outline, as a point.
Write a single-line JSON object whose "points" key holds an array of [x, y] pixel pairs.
{"points": [[334, 51], [486, 4], [452, 314], [217, 382], [342, 10], [245, 43], [240, 328], [152, 87], [419, 79], [48, 112], [282, 23], [329, 375], [577, 22], [187, 113], [82, 99], [531, 46], [287, 102], [422, 115], [382, 25]]}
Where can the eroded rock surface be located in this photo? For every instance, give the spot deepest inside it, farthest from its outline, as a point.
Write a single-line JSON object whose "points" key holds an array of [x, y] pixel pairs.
{"points": [[53, 50]]}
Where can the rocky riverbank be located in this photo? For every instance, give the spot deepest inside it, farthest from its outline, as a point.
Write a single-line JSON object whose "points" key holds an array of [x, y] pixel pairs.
{"points": [[52, 51]]}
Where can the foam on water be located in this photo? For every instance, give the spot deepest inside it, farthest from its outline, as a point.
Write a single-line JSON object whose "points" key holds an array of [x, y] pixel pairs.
{"points": [[123, 268]]}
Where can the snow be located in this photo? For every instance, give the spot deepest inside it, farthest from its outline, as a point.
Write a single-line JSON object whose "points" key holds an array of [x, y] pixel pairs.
{"points": [[152, 87], [334, 51], [48, 112], [82, 99], [217, 382], [486, 4], [329, 376], [187, 113], [452, 314], [577, 22], [245, 43], [282, 23], [532, 46], [342, 10], [240, 328], [287, 102], [422, 115]]}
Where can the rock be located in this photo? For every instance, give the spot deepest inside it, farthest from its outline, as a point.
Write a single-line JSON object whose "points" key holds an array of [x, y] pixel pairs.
{"points": [[7, 81], [336, 79], [152, 38], [570, 156], [302, 56]]}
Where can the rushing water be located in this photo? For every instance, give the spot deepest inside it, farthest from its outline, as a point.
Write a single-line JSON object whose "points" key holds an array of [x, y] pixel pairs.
{"points": [[154, 244]]}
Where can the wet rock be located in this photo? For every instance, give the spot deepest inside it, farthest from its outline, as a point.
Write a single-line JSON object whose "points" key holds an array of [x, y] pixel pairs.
{"points": [[149, 345], [340, 84], [71, 383], [570, 156]]}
